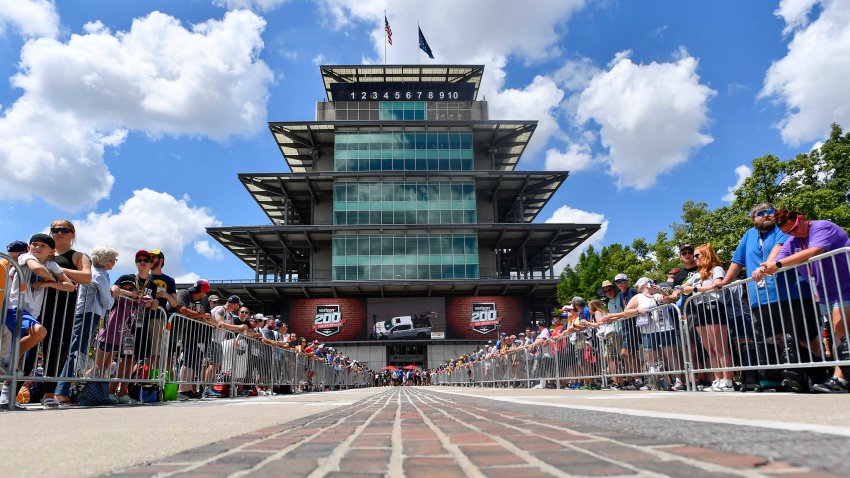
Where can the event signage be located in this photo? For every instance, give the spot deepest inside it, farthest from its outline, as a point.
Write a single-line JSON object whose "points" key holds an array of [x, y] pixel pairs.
{"points": [[484, 318], [328, 320]]}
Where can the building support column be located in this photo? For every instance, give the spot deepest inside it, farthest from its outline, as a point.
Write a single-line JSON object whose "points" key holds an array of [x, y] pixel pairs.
{"points": [[551, 265], [257, 264]]}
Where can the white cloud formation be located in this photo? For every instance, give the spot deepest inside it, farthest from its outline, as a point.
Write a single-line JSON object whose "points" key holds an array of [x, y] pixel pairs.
{"points": [[159, 78], [651, 116], [742, 172], [811, 80], [568, 215], [147, 220], [466, 37], [207, 250], [32, 18], [795, 13], [576, 158], [256, 5]]}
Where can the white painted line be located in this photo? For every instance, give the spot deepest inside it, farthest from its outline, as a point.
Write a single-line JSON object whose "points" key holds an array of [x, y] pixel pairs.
{"points": [[788, 426]]}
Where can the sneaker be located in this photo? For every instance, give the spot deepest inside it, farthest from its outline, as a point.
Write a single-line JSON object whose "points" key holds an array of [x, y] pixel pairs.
{"points": [[182, 397], [210, 393], [127, 400], [833, 385], [4, 407], [723, 385], [628, 387], [644, 388], [678, 386]]}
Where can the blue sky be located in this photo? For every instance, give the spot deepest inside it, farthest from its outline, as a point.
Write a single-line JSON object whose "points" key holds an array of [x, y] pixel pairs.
{"points": [[133, 118]]}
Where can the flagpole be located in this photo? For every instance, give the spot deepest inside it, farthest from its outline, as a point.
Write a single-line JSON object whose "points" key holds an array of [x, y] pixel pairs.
{"points": [[417, 42], [385, 38]]}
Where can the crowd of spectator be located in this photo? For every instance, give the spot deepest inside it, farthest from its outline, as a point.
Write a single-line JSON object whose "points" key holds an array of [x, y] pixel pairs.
{"points": [[72, 313], [782, 315]]}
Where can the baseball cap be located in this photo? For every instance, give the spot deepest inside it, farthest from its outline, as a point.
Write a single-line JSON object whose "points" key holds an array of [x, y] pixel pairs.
{"points": [[199, 286], [43, 238], [686, 246], [158, 253], [17, 246], [234, 299], [620, 277], [142, 253], [259, 317], [213, 298], [607, 283], [642, 282], [578, 300], [278, 322]]}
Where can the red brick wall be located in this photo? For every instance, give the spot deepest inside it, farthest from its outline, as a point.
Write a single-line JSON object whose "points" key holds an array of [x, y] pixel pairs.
{"points": [[303, 311], [459, 310]]}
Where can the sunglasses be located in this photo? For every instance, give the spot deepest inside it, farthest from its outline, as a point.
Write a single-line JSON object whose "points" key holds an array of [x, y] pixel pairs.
{"points": [[686, 253], [142, 261], [697, 256], [764, 212], [791, 229], [243, 311], [60, 230], [620, 281]]}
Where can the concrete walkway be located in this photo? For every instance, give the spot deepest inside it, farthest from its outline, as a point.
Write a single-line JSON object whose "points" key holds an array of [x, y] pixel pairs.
{"points": [[445, 432]]}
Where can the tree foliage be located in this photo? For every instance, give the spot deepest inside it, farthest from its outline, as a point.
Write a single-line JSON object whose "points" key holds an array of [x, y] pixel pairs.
{"points": [[816, 183]]}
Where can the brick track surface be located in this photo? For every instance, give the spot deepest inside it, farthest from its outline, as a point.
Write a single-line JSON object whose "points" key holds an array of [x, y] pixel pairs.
{"points": [[418, 432]]}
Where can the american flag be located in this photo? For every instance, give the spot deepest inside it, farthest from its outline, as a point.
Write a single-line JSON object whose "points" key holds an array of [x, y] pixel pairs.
{"points": [[388, 30]]}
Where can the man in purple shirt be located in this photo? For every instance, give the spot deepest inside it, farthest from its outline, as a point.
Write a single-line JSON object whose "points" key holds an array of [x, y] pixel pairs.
{"points": [[830, 276]]}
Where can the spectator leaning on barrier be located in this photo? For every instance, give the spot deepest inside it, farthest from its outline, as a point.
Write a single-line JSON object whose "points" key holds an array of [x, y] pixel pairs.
{"points": [[831, 277], [165, 288], [631, 340], [40, 273], [779, 304], [93, 303], [58, 314], [222, 315], [193, 335], [708, 312]]}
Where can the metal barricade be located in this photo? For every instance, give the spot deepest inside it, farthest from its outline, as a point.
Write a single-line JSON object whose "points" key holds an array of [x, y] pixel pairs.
{"points": [[767, 330], [649, 350]]}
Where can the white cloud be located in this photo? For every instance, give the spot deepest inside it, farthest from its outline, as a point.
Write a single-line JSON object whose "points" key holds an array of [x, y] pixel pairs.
{"points": [[539, 101], [159, 78], [795, 13], [811, 80], [207, 250], [568, 215], [576, 158], [32, 18], [256, 5], [651, 116], [147, 220], [187, 278], [742, 172], [466, 37]]}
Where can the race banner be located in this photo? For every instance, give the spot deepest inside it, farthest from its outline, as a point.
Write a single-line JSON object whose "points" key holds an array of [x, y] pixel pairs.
{"points": [[328, 320], [484, 318]]}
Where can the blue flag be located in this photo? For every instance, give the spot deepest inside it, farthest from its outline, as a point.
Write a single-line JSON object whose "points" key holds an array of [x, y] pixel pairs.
{"points": [[423, 44]]}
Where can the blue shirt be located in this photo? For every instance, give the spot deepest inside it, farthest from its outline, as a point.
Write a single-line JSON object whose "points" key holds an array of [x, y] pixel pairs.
{"points": [[95, 297], [751, 252]]}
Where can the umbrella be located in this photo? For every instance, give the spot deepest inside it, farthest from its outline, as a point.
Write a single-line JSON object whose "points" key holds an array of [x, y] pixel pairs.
{"points": [[410, 367], [391, 368]]}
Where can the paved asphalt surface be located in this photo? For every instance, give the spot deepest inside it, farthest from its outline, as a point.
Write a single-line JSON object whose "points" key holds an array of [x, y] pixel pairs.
{"points": [[444, 432]]}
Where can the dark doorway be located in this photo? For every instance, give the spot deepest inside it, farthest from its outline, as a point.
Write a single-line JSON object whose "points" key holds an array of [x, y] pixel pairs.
{"points": [[401, 355]]}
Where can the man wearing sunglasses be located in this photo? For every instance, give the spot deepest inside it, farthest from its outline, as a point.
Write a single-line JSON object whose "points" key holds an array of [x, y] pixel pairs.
{"points": [[830, 277], [782, 304]]}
